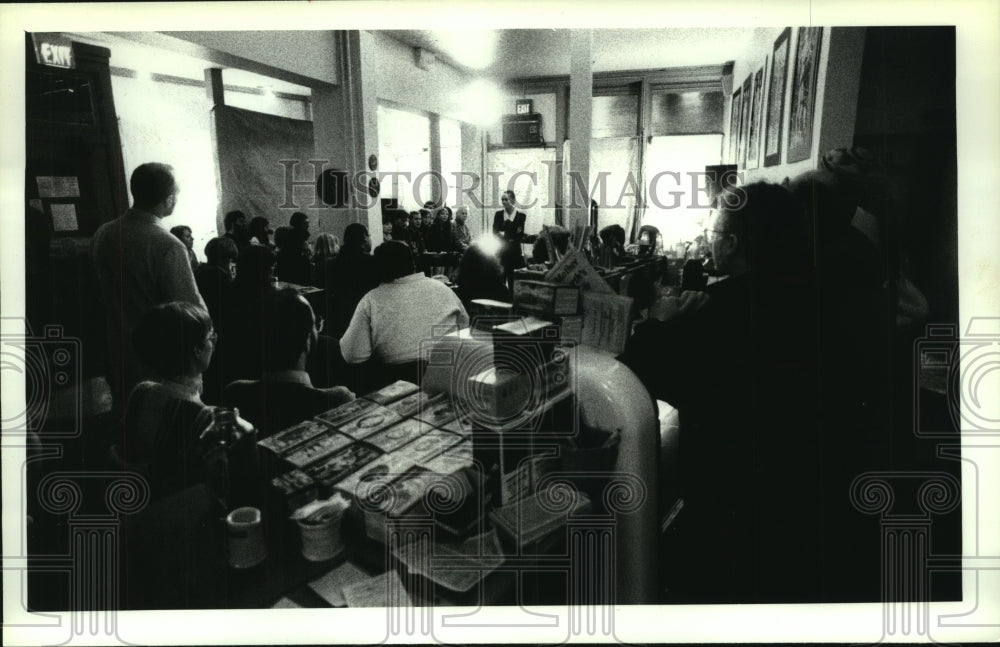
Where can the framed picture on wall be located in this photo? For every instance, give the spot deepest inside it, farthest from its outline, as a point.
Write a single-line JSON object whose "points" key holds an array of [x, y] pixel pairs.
{"points": [[734, 125], [800, 118], [756, 107], [776, 99], [741, 153]]}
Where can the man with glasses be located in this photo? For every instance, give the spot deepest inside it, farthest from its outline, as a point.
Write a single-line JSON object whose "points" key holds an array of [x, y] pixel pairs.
{"points": [[738, 363]]}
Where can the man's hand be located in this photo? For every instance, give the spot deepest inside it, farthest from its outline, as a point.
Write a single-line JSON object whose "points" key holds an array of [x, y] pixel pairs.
{"points": [[667, 307]]}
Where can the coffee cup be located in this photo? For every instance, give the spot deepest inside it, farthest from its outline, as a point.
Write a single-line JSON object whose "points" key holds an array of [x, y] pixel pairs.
{"points": [[246, 538]]}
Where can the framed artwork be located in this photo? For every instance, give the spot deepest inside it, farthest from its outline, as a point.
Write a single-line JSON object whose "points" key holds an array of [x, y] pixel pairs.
{"points": [[802, 112], [776, 99], [741, 153], [756, 107], [734, 124]]}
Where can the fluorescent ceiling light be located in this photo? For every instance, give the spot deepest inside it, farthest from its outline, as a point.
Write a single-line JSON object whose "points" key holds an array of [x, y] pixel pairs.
{"points": [[475, 49]]}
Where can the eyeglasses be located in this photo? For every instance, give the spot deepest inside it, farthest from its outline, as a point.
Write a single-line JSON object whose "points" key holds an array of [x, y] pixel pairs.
{"points": [[212, 337], [320, 322]]}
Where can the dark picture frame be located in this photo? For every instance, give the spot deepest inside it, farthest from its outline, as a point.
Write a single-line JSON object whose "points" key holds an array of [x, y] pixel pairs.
{"points": [[734, 125], [776, 98], [801, 113], [756, 108], [741, 154]]}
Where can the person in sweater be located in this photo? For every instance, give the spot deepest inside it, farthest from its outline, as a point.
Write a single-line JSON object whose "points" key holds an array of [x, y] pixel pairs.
{"points": [[392, 320]]}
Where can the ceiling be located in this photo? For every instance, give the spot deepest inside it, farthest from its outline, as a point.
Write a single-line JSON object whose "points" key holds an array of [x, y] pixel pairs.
{"points": [[130, 54], [500, 54], [505, 54]]}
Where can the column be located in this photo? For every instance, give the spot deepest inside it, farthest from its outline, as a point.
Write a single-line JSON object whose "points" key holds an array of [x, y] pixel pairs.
{"points": [[581, 91], [361, 122]]}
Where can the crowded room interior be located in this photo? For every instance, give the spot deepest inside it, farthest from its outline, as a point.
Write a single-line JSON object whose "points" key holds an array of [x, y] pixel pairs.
{"points": [[492, 317]]}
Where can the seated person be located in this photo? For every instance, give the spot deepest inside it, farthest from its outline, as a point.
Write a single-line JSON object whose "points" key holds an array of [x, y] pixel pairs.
{"points": [[284, 395], [165, 418], [325, 250], [354, 273], [437, 237], [260, 231], [215, 282], [292, 264], [241, 343], [611, 246], [400, 229], [540, 248], [215, 276], [392, 320], [461, 237], [183, 233], [480, 276]]}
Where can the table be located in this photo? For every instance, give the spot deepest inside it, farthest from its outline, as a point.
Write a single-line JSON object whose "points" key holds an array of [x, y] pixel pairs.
{"points": [[175, 550]]}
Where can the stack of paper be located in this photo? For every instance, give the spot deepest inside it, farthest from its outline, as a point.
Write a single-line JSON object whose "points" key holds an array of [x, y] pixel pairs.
{"points": [[457, 567], [385, 590]]}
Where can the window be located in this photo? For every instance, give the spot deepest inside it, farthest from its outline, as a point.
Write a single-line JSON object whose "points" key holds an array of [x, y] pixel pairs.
{"points": [[404, 147], [615, 115], [687, 112]]}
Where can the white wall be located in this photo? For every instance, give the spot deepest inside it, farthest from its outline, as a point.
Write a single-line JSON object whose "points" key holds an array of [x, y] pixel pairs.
{"points": [[439, 89], [312, 54], [442, 89]]}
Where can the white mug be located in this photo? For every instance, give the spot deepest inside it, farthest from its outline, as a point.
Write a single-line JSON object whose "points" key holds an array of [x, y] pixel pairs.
{"points": [[246, 538]]}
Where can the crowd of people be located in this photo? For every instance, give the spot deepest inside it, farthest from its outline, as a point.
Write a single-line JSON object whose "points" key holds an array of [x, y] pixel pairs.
{"points": [[761, 365], [186, 337]]}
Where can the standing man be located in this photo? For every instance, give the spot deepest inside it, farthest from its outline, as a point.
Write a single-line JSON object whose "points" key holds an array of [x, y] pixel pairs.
{"points": [[461, 238], [139, 265], [508, 224]]}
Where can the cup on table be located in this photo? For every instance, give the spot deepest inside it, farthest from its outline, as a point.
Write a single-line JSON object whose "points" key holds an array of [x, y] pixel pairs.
{"points": [[246, 538], [321, 539]]}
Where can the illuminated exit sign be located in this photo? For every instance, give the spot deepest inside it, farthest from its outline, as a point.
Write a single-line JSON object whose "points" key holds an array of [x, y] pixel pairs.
{"points": [[54, 50]]}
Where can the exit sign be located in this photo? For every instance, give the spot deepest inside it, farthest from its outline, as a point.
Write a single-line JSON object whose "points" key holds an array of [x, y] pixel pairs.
{"points": [[54, 50]]}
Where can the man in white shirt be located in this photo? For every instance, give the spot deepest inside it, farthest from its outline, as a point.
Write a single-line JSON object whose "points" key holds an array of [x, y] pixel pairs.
{"points": [[139, 265], [392, 320]]}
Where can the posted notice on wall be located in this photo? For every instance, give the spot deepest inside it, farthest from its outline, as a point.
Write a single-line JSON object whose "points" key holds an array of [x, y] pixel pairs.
{"points": [[64, 217], [53, 186]]}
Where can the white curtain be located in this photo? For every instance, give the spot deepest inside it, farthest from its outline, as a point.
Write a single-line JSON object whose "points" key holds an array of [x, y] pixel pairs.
{"points": [[526, 171], [619, 158]]}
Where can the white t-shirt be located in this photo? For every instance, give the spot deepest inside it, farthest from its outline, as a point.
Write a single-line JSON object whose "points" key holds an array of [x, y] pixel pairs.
{"points": [[392, 320]]}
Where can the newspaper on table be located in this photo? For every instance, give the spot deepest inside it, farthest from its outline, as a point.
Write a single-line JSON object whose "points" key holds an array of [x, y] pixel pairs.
{"points": [[385, 590], [573, 268], [455, 566], [330, 586]]}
